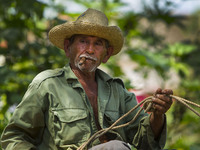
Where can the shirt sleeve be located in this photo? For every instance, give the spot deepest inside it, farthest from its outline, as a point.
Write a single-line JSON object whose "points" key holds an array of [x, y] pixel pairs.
{"points": [[140, 133], [144, 138], [26, 126]]}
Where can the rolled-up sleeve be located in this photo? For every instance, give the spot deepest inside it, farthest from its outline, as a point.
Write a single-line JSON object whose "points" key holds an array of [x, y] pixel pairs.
{"points": [[139, 133], [144, 138]]}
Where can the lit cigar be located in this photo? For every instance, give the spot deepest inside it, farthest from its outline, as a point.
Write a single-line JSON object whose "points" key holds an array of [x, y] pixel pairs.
{"points": [[82, 60]]}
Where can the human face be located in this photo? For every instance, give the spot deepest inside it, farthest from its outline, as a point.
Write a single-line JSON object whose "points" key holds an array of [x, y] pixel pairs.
{"points": [[87, 52]]}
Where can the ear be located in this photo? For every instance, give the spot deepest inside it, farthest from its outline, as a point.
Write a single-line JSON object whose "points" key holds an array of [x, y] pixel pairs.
{"points": [[108, 54], [66, 47]]}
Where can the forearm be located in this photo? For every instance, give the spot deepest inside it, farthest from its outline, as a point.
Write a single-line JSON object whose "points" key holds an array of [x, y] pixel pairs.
{"points": [[14, 139], [145, 138], [156, 123], [23, 130], [161, 103], [18, 146]]}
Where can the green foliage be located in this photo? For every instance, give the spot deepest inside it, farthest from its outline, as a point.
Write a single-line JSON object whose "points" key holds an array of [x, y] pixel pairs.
{"points": [[128, 24], [25, 49], [161, 10], [182, 128], [149, 60], [24, 45]]}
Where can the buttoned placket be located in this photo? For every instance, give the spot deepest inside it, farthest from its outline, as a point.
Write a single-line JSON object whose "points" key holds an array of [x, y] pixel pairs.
{"points": [[77, 85], [103, 97], [86, 100]]}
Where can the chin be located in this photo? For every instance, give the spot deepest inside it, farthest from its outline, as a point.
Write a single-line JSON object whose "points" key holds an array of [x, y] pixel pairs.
{"points": [[87, 69]]}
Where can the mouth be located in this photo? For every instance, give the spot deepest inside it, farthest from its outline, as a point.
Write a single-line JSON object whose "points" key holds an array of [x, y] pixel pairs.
{"points": [[84, 57]]}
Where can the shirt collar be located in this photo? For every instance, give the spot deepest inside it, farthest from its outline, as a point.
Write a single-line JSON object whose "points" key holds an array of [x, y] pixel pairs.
{"points": [[101, 74], [69, 75]]}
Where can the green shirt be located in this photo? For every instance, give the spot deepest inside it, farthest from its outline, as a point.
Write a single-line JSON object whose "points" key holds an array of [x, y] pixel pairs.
{"points": [[55, 114]]}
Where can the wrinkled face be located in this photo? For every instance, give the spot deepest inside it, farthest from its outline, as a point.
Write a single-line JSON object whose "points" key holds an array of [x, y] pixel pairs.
{"points": [[87, 52]]}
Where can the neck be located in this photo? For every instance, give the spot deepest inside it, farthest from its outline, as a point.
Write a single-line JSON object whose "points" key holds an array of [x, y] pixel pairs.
{"points": [[87, 77]]}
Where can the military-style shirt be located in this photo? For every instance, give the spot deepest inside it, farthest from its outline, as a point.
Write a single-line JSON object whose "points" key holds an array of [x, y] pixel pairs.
{"points": [[55, 114]]}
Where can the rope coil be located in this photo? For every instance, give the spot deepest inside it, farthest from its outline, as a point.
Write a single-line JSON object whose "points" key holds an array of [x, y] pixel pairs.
{"points": [[147, 106]]}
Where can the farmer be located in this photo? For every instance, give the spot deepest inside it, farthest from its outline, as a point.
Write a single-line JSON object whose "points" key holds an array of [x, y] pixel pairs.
{"points": [[63, 108]]}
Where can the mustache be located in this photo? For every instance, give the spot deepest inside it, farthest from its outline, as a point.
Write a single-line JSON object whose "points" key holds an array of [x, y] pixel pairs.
{"points": [[88, 57]]}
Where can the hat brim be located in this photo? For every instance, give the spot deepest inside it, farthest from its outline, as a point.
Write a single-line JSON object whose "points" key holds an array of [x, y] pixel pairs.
{"points": [[113, 34]]}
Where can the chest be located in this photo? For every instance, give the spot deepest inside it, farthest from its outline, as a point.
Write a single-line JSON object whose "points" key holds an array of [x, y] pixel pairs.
{"points": [[92, 94]]}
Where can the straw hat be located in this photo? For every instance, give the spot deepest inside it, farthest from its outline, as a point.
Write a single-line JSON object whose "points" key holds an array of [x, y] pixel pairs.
{"points": [[91, 22]]}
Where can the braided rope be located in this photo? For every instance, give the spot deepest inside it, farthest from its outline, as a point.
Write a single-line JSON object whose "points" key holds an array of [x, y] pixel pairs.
{"points": [[184, 102], [147, 107]]}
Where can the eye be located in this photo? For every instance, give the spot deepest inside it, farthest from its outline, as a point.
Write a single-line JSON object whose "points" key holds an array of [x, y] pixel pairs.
{"points": [[99, 43], [82, 40]]}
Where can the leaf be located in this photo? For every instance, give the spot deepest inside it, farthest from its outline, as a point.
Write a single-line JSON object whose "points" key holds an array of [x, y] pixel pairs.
{"points": [[180, 49]]}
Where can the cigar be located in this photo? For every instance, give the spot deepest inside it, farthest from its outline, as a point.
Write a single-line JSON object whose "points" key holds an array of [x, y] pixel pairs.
{"points": [[82, 60]]}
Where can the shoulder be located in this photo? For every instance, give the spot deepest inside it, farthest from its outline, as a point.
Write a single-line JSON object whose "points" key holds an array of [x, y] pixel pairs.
{"points": [[47, 74], [118, 81]]}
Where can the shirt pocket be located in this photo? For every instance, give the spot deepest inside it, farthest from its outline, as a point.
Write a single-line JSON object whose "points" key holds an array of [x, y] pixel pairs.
{"points": [[70, 126]]}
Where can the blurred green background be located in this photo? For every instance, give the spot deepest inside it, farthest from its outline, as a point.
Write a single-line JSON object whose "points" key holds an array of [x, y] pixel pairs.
{"points": [[164, 42]]}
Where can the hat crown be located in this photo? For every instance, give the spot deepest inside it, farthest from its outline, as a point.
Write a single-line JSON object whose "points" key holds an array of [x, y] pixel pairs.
{"points": [[93, 16]]}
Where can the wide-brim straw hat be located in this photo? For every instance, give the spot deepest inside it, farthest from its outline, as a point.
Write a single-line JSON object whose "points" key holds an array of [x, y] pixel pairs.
{"points": [[91, 22]]}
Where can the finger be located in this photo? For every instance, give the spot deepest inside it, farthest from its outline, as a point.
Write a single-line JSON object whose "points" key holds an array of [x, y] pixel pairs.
{"points": [[164, 98], [161, 103], [158, 91], [167, 91], [159, 109]]}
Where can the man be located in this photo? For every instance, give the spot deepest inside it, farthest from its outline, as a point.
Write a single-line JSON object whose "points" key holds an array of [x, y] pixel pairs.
{"points": [[62, 108]]}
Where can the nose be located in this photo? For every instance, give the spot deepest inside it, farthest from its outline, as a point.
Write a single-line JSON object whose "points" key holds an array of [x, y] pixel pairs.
{"points": [[90, 49]]}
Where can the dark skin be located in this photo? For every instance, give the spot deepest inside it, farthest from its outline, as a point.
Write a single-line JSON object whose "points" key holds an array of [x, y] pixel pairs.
{"points": [[95, 47], [162, 103]]}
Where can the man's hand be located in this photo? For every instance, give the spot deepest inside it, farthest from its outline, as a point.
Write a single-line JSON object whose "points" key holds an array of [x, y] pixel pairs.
{"points": [[161, 103]]}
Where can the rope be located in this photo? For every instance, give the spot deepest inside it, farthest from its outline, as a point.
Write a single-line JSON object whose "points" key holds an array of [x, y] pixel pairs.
{"points": [[147, 107], [184, 102]]}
